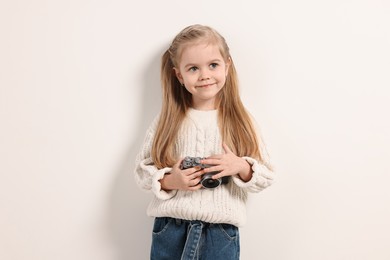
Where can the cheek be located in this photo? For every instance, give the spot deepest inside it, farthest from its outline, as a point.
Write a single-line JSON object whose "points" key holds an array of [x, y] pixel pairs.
{"points": [[190, 78], [187, 88], [222, 75]]}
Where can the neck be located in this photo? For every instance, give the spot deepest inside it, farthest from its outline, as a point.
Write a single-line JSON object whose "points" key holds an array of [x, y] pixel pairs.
{"points": [[205, 105]]}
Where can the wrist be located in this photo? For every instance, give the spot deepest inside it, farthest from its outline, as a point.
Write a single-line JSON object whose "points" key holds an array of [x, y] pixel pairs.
{"points": [[164, 183], [246, 171]]}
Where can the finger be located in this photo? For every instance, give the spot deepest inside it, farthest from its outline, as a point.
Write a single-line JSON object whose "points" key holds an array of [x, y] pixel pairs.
{"points": [[194, 188], [192, 170], [226, 148], [194, 182], [216, 168], [196, 174], [178, 163], [212, 161], [219, 175], [199, 173]]}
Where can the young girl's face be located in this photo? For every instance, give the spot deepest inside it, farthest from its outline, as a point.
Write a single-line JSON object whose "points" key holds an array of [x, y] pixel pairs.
{"points": [[203, 71]]}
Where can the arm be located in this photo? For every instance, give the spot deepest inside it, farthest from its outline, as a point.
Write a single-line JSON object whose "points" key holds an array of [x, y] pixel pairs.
{"points": [[262, 171], [262, 176], [147, 175], [165, 182], [246, 172]]}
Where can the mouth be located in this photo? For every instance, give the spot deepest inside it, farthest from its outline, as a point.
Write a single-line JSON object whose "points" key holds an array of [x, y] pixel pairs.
{"points": [[206, 85]]}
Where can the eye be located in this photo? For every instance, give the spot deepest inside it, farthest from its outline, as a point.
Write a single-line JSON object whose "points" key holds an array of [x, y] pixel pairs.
{"points": [[214, 65], [193, 69]]}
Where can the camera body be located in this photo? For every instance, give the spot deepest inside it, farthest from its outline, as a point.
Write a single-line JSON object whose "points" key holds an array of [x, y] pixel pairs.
{"points": [[207, 181]]}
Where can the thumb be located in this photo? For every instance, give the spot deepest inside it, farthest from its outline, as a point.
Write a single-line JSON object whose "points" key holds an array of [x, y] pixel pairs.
{"points": [[178, 163], [226, 148]]}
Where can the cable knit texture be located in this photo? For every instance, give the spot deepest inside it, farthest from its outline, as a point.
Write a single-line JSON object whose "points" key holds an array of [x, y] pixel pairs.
{"points": [[200, 136]]}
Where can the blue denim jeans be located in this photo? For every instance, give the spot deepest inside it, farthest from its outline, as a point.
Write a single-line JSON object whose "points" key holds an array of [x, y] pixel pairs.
{"points": [[176, 239]]}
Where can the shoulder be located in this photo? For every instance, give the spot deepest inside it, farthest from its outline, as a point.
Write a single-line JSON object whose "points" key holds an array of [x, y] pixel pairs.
{"points": [[152, 126]]}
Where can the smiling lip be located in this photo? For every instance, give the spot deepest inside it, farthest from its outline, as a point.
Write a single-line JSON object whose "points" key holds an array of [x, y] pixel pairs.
{"points": [[206, 85]]}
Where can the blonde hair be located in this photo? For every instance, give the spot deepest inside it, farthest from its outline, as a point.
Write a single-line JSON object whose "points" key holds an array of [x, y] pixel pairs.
{"points": [[235, 124]]}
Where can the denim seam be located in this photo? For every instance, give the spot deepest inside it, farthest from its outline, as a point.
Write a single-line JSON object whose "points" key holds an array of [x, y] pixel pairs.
{"points": [[164, 228], [226, 234]]}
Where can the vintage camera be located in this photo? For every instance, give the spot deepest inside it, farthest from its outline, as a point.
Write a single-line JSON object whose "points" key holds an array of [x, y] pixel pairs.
{"points": [[207, 181]]}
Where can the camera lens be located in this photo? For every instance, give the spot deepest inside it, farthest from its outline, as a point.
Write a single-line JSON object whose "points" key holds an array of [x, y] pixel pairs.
{"points": [[210, 183]]}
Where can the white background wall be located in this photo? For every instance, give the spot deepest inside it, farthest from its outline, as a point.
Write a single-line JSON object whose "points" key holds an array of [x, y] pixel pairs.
{"points": [[79, 85]]}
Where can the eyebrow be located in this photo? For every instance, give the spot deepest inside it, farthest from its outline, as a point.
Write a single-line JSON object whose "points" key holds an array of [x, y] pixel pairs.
{"points": [[194, 64]]}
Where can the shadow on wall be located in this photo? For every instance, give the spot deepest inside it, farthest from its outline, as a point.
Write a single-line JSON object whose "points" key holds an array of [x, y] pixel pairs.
{"points": [[129, 226]]}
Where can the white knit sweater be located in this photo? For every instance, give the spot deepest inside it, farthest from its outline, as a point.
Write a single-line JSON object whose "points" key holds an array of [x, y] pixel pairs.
{"points": [[200, 136]]}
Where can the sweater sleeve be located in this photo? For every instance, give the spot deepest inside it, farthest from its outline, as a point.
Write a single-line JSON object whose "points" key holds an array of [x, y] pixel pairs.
{"points": [[147, 175], [263, 175]]}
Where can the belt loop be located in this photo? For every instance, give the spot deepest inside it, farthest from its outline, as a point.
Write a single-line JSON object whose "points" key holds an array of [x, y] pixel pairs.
{"points": [[178, 221]]}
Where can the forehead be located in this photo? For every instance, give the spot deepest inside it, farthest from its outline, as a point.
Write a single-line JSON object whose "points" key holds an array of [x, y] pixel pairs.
{"points": [[200, 53]]}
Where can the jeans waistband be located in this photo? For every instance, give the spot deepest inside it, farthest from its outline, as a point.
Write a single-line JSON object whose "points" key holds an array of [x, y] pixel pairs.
{"points": [[185, 221]]}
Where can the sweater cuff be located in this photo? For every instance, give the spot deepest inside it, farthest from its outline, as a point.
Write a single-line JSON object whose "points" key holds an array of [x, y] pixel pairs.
{"points": [[256, 170], [156, 185]]}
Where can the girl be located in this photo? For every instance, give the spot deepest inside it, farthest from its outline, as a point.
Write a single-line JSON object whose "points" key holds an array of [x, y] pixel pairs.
{"points": [[202, 116]]}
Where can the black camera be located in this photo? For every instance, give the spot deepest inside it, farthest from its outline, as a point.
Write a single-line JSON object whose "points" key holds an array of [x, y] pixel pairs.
{"points": [[207, 181]]}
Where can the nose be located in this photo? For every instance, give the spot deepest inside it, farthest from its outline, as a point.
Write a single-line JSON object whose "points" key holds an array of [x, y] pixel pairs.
{"points": [[204, 75]]}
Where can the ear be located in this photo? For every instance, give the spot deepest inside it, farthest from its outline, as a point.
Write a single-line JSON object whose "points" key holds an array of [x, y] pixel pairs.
{"points": [[228, 63], [178, 75]]}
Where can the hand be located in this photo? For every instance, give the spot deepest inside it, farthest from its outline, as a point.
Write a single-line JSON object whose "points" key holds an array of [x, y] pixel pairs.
{"points": [[178, 179], [228, 164]]}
